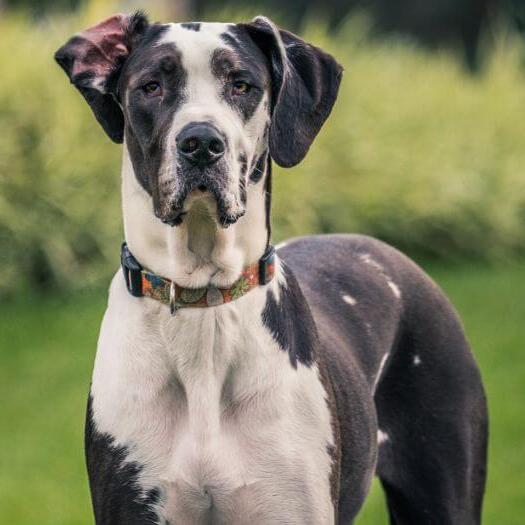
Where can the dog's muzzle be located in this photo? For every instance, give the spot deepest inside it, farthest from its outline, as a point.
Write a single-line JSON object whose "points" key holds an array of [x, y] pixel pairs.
{"points": [[201, 169]]}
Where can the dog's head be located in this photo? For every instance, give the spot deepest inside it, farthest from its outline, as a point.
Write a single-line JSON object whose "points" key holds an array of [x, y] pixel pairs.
{"points": [[200, 105]]}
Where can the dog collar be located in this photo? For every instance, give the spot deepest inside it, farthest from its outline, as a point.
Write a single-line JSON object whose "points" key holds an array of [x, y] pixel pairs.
{"points": [[141, 283]]}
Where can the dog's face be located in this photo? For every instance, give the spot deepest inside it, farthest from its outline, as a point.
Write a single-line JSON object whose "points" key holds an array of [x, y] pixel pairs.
{"points": [[195, 103], [199, 105]]}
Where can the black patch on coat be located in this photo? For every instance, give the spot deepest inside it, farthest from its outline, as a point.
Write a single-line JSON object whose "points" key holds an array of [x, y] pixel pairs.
{"points": [[116, 496], [241, 65], [150, 36], [93, 53], [192, 26], [334, 452], [268, 199], [149, 119], [258, 170], [303, 98], [242, 189], [290, 321], [243, 161]]}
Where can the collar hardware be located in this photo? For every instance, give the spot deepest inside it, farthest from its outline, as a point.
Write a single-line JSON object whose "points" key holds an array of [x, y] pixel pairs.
{"points": [[173, 304], [142, 283], [132, 271]]}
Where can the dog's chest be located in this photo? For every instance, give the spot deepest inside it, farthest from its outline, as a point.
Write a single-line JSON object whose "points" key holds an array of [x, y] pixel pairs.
{"points": [[209, 407]]}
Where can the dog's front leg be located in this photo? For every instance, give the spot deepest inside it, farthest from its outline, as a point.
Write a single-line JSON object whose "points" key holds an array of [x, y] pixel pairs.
{"points": [[190, 270]]}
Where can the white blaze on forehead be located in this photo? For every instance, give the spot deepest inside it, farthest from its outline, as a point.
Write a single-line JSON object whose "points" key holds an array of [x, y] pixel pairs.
{"points": [[208, 36], [203, 88]]}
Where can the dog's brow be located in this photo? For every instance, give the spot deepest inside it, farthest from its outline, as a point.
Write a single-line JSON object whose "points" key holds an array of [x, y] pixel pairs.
{"points": [[224, 58], [151, 61]]}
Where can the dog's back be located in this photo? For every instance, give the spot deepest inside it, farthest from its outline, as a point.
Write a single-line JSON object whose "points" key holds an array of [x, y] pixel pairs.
{"points": [[389, 334]]}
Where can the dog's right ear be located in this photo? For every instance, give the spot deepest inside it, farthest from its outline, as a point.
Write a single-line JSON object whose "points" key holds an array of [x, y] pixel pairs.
{"points": [[93, 60]]}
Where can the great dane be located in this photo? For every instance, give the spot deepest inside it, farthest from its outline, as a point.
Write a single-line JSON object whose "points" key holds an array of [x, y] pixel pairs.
{"points": [[232, 384]]}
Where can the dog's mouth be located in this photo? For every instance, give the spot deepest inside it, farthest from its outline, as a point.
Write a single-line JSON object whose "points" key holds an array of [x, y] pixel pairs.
{"points": [[224, 207]]}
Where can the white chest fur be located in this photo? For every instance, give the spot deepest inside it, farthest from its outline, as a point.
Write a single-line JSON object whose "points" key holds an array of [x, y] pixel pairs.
{"points": [[211, 408]]}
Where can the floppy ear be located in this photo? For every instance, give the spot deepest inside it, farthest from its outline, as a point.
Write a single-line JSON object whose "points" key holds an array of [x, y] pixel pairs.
{"points": [[93, 59], [305, 82]]}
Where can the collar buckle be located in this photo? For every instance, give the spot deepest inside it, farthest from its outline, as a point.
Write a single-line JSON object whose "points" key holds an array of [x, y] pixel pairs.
{"points": [[173, 303], [132, 271], [266, 266]]}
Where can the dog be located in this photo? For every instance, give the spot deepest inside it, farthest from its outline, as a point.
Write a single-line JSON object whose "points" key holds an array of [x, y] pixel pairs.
{"points": [[233, 383]]}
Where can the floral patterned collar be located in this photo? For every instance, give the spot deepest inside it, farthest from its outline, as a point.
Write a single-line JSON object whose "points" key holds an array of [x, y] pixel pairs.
{"points": [[142, 283]]}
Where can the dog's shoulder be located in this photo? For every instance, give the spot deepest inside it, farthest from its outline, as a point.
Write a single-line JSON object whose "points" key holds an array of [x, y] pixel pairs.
{"points": [[359, 271]]}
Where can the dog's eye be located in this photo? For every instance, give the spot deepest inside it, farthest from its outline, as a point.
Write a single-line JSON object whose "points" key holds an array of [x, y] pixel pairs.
{"points": [[152, 89], [241, 88]]}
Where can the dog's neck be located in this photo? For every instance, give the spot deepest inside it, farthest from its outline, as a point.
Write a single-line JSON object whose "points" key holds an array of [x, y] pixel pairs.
{"points": [[198, 252]]}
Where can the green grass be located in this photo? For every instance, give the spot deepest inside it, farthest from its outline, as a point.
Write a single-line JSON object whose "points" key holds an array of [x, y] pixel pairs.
{"points": [[46, 352]]}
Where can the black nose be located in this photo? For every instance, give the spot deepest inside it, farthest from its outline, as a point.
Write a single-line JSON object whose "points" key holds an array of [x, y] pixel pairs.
{"points": [[200, 143]]}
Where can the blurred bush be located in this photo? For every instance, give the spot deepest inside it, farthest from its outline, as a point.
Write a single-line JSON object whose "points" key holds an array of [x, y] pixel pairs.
{"points": [[417, 152], [59, 182]]}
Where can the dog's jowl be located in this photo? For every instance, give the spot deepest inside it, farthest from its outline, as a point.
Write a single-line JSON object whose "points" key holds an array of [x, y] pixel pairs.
{"points": [[238, 385]]}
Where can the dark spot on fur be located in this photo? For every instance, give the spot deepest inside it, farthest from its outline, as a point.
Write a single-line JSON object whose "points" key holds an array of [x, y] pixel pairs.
{"points": [[291, 322], [246, 63], [117, 497], [148, 120], [168, 64], [259, 169], [268, 198], [242, 189], [230, 40], [334, 451], [222, 63], [191, 26], [243, 161]]}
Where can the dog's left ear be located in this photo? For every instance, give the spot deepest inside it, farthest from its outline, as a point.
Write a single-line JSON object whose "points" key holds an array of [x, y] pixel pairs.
{"points": [[305, 82], [93, 59]]}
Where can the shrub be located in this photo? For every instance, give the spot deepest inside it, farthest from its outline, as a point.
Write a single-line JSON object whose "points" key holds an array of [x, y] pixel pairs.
{"points": [[417, 152]]}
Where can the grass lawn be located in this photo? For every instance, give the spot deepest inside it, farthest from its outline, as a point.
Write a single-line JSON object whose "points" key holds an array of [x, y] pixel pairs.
{"points": [[47, 347]]}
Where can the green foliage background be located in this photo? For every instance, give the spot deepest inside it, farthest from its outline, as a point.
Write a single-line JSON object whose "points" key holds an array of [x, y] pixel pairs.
{"points": [[417, 152]]}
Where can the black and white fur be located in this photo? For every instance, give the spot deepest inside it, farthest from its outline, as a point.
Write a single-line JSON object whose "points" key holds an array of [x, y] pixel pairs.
{"points": [[278, 407]]}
